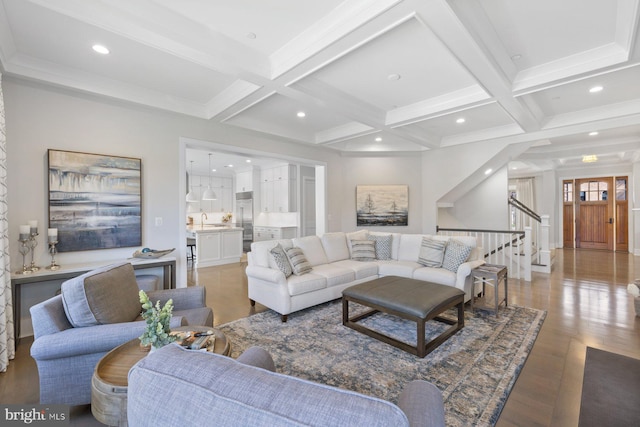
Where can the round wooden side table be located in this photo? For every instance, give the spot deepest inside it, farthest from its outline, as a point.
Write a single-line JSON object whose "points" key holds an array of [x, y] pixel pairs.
{"points": [[110, 378]]}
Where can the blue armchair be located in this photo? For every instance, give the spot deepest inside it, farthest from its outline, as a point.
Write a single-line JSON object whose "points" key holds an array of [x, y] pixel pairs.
{"points": [[66, 353]]}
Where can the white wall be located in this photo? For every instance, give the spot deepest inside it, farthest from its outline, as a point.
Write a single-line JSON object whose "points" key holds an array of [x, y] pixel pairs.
{"points": [[40, 117], [400, 170], [483, 208]]}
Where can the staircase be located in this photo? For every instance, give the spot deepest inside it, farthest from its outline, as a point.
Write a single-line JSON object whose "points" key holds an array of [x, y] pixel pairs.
{"points": [[522, 251]]}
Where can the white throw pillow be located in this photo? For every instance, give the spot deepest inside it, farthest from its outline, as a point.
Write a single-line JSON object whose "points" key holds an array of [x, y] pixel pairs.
{"points": [[363, 250], [432, 252], [298, 261], [456, 254], [281, 261], [383, 245]]}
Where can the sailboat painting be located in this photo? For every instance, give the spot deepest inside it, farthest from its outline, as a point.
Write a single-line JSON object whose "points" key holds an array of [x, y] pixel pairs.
{"points": [[94, 200], [382, 205]]}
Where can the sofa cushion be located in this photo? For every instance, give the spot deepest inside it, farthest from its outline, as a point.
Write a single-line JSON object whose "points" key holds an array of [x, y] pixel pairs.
{"points": [[441, 276], [307, 283], [455, 255], [383, 245], [298, 261], [281, 261], [432, 252], [363, 250], [335, 275], [397, 268], [312, 248], [261, 251], [409, 248], [88, 299], [361, 269], [335, 246], [356, 235]]}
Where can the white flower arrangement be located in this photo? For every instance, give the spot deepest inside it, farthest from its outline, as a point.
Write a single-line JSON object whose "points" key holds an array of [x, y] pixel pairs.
{"points": [[633, 290]]}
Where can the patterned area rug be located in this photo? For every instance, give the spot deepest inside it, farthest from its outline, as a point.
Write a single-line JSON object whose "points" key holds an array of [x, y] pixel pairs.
{"points": [[475, 369]]}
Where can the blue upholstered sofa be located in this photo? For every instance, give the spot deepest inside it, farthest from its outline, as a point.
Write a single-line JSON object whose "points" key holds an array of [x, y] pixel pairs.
{"points": [[177, 387], [95, 313]]}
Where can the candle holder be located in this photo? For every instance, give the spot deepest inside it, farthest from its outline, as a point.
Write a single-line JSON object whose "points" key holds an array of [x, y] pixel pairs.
{"points": [[53, 251], [24, 250], [32, 246]]}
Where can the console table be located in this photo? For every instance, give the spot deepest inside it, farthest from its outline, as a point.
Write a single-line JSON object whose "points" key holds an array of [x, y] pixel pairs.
{"points": [[168, 265]]}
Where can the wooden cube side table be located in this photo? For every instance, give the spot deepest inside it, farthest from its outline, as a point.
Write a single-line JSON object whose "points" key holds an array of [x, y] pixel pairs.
{"points": [[491, 274]]}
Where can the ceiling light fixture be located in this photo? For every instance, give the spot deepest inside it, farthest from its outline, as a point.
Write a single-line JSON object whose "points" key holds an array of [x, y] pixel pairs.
{"points": [[100, 49], [301, 114], [378, 139], [594, 133], [251, 36], [248, 160], [209, 194], [516, 57], [596, 89], [461, 120], [488, 171], [591, 158], [394, 77], [191, 196]]}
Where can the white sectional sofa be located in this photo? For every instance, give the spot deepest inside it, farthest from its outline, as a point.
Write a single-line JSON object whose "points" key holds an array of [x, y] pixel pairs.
{"points": [[333, 268]]}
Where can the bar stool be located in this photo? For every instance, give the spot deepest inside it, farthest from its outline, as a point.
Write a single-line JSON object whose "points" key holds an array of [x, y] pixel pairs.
{"points": [[191, 245]]}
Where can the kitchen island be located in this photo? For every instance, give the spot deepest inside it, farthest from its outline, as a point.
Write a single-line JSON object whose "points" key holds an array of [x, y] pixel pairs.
{"points": [[215, 244]]}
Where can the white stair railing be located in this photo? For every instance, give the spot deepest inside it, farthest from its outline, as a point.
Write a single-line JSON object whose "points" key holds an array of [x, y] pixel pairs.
{"points": [[510, 248]]}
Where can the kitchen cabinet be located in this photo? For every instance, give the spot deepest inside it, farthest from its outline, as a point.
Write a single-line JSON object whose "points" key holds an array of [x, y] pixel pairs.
{"points": [[216, 245], [244, 181], [278, 189], [222, 186], [261, 233]]}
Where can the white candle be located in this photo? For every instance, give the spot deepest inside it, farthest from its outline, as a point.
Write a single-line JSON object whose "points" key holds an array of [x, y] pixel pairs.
{"points": [[24, 232], [53, 234], [33, 226]]}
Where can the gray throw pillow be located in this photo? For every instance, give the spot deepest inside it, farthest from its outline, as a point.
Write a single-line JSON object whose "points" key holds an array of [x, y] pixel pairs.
{"points": [[432, 252], [383, 245], [363, 250], [105, 295], [456, 254], [281, 260], [298, 261]]}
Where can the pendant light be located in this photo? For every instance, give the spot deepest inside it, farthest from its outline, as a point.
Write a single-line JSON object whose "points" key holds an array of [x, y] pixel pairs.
{"points": [[191, 196], [209, 194]]}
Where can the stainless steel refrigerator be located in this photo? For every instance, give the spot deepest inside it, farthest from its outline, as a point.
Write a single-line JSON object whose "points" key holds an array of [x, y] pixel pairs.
{"points": [[244, 217]]}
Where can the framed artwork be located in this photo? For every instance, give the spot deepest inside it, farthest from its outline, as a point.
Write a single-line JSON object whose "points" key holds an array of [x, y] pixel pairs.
{"points": [[94, 200], [382, 205]]}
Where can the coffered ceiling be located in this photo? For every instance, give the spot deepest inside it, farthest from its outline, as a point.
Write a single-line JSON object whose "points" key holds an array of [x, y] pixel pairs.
{"points": [[369, 75]]}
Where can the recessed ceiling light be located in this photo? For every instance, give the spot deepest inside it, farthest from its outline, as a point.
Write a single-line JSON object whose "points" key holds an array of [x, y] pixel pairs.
{"points": [[248, 160], [394, 77], [100, 49], [301, 114], [251, 36], [594, 133], [461, 120], [378, 139], [213, 170], [488, 171], [596, 89], [228, 166], [590, 158], [516, 57]]}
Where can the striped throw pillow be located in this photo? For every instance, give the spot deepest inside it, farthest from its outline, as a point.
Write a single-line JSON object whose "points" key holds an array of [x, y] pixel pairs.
{"points": [[363, 250], [298, 261], [456, 254], [432, 252]]}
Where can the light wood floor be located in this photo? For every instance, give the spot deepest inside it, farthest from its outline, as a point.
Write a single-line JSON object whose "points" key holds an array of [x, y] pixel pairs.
{"points": [[585, 298]]}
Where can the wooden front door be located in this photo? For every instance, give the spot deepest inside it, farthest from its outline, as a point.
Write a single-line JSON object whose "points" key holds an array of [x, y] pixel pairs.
{"points": [[594, 213]]}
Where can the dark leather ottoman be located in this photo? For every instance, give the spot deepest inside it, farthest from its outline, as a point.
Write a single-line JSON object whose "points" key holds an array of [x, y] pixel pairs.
{"points": [[409, 299]]}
